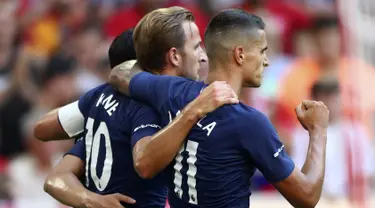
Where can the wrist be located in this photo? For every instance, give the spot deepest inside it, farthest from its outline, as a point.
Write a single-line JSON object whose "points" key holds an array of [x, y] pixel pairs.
{"points": [[86, 199], [192, 114], [317, 131]]}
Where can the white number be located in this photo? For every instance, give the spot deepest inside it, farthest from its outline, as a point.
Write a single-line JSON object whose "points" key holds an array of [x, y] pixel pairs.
{"points": [[191, 149], [92, 143]]}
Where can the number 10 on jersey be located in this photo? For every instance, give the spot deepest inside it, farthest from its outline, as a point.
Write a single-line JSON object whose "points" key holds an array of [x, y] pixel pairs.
{"points": [[191, 150], [92, 143]]}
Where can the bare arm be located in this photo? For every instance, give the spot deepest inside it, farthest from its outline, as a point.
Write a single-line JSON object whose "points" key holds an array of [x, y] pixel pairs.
{"points": [[62, 123], [303, 188], [152, 155], [48, 128], [63, 184], [121, 75]]}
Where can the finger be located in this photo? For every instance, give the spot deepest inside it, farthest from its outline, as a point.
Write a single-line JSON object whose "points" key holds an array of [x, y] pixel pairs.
{"points": [[233, 93], [308, 104], [299, 110], [228, 90], [233, 101], [125, 199], [227, 100], [216, 84]]}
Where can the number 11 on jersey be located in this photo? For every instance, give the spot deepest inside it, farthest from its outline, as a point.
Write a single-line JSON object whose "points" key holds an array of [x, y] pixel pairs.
{"points": [[191, 150]]}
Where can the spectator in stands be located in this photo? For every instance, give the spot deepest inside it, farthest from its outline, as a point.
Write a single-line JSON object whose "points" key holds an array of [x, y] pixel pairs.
{"points": [[355, 77], [30, 168], [116, 24], [349, 156], [289, 15], [88, 54], [8, 53]]}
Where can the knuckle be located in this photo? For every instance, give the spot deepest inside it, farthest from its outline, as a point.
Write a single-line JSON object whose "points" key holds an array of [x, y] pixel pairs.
{"points": [[217, 101], [215, 94]]}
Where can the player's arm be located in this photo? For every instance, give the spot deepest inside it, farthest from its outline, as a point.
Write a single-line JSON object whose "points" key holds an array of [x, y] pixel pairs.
{"points": [[65, 122], [154, 90], [302, 188], [48, 128], [62, 123], [63, 183], [121, 75], [152, 154]]}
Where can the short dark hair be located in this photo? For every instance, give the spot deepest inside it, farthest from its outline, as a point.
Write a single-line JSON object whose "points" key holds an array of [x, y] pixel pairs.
{"points": [[225, 23], [325, 86], [122, 49], [324, 22], [157, 32]]}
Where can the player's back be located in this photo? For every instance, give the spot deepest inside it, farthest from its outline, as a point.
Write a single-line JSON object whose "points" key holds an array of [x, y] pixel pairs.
{"points": [[110, 120], [213, 169], [214, 166]]}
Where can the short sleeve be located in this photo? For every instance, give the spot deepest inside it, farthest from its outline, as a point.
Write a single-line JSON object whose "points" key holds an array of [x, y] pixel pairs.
{"points": [[261, 141], [157, 90], [72, 116], [78, 149], [144, 123], [71, 119]]}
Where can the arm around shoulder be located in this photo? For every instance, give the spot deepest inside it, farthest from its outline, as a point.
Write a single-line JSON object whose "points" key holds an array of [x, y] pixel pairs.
{"points": [[121, 75]]}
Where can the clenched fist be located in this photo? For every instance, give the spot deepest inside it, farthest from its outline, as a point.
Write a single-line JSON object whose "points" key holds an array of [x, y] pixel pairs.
{"points": [[313, 115]]}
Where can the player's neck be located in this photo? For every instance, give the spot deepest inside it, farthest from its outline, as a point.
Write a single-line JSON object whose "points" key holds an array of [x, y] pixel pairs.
{"points": [[165, 71], [233, 77]]}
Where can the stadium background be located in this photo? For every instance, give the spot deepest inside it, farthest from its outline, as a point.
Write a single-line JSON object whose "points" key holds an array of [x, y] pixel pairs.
{"points": [[52, 51]]}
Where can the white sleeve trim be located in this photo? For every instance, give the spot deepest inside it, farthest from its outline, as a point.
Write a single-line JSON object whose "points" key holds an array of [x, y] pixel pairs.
{"points": [[71, 119]]}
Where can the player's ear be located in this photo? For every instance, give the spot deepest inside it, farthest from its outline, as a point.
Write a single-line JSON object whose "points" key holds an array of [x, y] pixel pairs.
{"points": [[239, 55], [174, 57]]}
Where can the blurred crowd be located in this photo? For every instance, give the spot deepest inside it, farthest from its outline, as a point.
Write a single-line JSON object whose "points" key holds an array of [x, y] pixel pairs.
{"points": [[53, 51]]}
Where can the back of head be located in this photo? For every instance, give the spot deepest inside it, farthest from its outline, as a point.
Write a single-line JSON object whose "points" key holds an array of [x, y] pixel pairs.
{"points": [[156, 33], [229, 28], [122, 49]]}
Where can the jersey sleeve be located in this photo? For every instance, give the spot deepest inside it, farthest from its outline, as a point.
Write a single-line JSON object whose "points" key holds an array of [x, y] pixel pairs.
{"points": [[71, 119], [78, 149], [157, 90], [72, 116], [144, 123], [261, 141]]}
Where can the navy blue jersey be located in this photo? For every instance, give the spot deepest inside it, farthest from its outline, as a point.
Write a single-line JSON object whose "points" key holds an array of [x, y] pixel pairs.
{"points": [[113, 125], [214, 166]]}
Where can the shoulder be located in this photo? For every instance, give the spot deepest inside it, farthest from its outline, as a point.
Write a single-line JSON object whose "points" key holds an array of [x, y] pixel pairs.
{"points": [[251, 114], [93, 93], [137, 109], [253, 120]]}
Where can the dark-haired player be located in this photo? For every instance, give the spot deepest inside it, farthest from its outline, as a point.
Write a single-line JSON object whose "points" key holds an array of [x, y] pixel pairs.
{"points": [[214, 164]]}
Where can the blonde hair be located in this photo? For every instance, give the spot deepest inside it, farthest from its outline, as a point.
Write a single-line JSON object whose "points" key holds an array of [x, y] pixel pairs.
{"points": [[157, 32]]}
